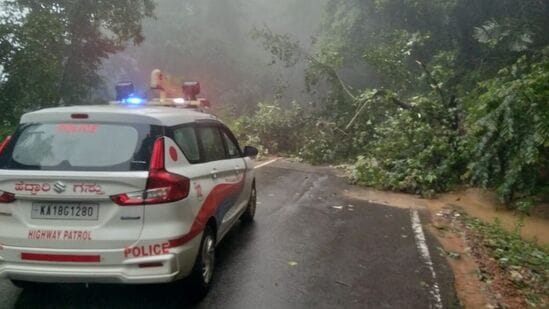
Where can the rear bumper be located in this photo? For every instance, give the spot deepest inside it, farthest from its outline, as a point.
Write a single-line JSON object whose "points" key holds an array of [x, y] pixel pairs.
{"points": [[114, 266]]}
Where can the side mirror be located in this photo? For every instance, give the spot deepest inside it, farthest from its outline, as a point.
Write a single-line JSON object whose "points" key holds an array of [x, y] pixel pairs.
{"points": [[250, 151]]}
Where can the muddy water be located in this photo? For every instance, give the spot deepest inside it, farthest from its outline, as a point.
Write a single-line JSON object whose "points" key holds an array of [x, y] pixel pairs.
{"points": [[475, 202], [484, 205]]}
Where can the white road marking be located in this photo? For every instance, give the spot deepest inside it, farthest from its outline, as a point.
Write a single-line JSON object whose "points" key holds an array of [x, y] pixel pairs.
{"points": [[266, 163], [426, 257]]}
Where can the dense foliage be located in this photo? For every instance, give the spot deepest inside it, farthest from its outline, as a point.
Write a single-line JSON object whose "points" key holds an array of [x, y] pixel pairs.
{"points": [[423, 95], [509, 117], [275, 129], [415, 95], [51, 50]]}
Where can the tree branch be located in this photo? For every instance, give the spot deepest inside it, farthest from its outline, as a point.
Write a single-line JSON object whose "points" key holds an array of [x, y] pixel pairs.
{"points": [[283, 47], [433, 81], [378, 93], [395, 100], [331, 71]]}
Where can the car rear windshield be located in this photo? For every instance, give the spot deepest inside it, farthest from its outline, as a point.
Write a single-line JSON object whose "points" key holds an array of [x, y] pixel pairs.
{"points": [[80, 147]]}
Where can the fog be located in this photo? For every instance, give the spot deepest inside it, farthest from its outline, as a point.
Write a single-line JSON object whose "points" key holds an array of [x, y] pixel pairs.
{"points": [[210, 41]]}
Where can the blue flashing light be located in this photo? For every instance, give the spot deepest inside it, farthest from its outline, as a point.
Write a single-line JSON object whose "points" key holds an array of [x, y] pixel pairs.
{"points": [[134, 100]]}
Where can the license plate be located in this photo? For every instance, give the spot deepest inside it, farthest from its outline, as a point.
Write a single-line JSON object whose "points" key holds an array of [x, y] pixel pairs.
{"points": [[65, 211]]}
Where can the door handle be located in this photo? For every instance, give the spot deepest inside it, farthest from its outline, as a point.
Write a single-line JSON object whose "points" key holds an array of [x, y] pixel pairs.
{"points": [[213, 173]]}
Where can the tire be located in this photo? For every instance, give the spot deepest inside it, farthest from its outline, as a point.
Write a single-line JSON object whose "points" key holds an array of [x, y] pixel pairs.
{"points": [[24, 284], [201, 276], [249, 213]]}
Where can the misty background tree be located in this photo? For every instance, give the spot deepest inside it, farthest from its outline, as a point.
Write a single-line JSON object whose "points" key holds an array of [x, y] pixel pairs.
{"points": [[52, 50], [210, 41]]}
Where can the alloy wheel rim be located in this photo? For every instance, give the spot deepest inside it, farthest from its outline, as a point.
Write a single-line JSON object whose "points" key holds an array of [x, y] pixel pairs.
{"points": [[208, 259], [253, 202]]}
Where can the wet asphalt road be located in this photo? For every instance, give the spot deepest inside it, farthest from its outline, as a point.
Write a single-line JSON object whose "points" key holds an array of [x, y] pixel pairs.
{"points": [[300, 253]]}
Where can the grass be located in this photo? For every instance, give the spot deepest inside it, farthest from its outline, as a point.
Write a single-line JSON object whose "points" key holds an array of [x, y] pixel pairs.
{"points": [[526, 263]]}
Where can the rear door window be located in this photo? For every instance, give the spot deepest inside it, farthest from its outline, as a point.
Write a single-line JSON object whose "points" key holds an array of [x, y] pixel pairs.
{"points": [[78, 146], [212, 143], [186, 139]]}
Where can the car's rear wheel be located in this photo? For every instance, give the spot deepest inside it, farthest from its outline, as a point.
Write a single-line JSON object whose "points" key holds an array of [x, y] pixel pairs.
{"points": [[201, 277], [249, 213]]}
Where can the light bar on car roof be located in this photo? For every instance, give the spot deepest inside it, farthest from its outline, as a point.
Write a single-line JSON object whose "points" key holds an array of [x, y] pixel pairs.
{"points": [[125, 95]]}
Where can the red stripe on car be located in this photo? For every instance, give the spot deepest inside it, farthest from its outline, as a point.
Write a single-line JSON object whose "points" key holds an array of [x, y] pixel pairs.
{"points": [[216, 197]]}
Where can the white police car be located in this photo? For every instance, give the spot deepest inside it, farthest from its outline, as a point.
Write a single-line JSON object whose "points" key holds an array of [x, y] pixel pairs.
{"points": [[123, 193]]}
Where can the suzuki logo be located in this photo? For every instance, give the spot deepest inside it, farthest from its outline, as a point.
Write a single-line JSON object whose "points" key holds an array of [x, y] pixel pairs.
{"points": [[59, 187]]}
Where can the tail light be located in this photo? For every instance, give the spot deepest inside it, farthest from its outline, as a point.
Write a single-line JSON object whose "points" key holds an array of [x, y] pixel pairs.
{"points": [[162, 186], [6, 197], [5, 144]]}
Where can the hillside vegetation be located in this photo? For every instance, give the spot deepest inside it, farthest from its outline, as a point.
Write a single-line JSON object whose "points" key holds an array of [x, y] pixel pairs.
{"points": [[420, 96], [417, 96]]}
